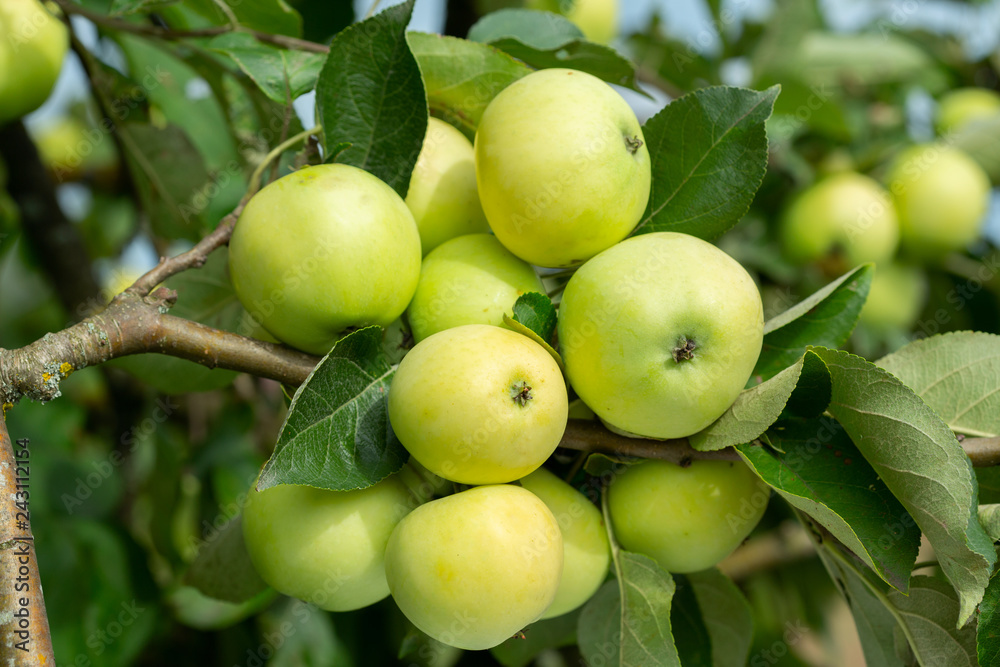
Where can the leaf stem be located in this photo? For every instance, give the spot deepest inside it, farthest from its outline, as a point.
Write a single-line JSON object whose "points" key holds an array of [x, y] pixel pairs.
{"points": [[275, 153]]}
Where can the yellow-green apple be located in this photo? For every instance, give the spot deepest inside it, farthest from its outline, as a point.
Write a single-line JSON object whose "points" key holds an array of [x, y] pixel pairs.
{"points": [[471, 279], [72, 151], [562, 167], [596, 19], [478, 404], [473, 568], [960, 107], [941, 196], [586, 552], [443, 196], [686, 519], [846, 216], [660, 333], [325, 547], [32, 49], [895, 298], [322, 249]]}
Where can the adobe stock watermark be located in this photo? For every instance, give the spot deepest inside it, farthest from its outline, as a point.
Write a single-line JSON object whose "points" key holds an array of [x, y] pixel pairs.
{"points": [[102, 470]]}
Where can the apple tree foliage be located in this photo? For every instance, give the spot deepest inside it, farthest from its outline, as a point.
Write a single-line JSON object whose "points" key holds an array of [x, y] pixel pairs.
{"points": [[865, 454]]}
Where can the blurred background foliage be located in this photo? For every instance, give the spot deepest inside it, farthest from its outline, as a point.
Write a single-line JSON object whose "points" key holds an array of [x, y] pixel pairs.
{"points": [[143, 461]]}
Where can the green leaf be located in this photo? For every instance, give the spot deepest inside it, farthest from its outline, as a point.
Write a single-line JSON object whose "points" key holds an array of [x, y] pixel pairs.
{"points": [[708, 153], [124, 7], [989, 517], [988, 629], [271, 16], [726, 614], [957, 375], [755, 409], [166, 170], [543, 40], [337, 434], [820, 471], [462, 77], [918, 457], [694, 645], [539, 636], [826, 318], [934, 618], [514, 325], [282, 75], [673, 60], [222, 568], [873, 615], [370, 96], [536, 312], [627, 622]]}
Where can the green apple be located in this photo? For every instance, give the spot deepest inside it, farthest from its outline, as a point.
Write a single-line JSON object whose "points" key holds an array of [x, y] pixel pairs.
{"points": [[325, 547], [562, 167], [471, 279], [686, 519], [72, 151], [586, 552], [32, 50], [478, 404], [660, 333], [847, 214], [323, 249], [473, 568], [896, 297], [443, 196], [941, 196], [596, 19], [960, 107]]}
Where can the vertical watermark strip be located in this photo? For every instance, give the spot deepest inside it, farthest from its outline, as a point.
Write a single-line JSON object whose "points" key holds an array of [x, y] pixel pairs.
{"points": [[24, 628]]}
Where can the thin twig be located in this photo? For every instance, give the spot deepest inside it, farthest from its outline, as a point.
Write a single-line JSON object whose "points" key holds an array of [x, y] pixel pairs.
{"points": [[170, 34]]}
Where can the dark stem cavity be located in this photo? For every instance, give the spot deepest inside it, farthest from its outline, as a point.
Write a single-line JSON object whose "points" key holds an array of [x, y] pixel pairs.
{"points": [[633, 144], [520, 393], [684, 350]]}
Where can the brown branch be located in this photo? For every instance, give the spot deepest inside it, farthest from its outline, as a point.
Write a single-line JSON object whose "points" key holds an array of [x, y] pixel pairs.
{"points": [[590, 436], [169, 34], [134, 324], [983, 452], [24, 626], [55, 241], [192, 259]]}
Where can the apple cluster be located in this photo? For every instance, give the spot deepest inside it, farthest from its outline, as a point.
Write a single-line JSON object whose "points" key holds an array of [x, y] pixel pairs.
{"points": [[659, 332], [933, 202]]}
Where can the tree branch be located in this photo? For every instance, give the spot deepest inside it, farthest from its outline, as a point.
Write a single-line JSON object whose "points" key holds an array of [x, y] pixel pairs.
{"points": [[169, 34], [590, 436], [24, 627], [134, 324], [192, 259]]}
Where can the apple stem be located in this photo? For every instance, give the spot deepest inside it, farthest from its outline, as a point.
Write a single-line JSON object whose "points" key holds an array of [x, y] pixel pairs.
{"points": [[684, 350], [633, 144], [520, 392]]}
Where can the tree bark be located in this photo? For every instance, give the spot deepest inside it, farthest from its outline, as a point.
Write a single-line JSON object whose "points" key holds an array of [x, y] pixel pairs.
{"points": [[24, 627]]}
